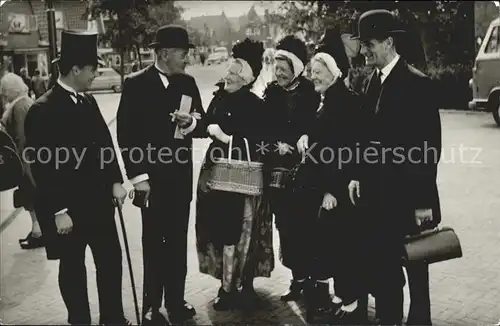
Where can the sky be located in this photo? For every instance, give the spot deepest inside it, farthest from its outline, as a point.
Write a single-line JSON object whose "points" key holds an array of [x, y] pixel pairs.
{"points": [[231, 8]]}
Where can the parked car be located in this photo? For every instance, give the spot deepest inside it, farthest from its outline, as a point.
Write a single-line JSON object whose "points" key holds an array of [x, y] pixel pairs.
{"points": [[108, 79], [485, 82], [219, 55]]}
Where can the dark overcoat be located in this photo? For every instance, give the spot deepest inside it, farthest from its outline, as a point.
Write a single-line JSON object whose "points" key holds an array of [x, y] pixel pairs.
{"points": [[74, 163], [400, 154], [146, 131]]}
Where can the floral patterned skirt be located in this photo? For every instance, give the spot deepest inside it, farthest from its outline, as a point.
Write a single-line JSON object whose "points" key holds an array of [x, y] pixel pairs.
{"points": [[253, 254]]}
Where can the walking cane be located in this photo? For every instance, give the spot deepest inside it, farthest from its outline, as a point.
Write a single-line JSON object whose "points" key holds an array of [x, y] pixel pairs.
{"points": [[127, 250]]}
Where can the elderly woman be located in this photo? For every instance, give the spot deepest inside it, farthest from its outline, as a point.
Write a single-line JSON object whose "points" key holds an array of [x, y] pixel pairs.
{"points": [[291, 102], [234, 231], [16, 105], [338, 249]]}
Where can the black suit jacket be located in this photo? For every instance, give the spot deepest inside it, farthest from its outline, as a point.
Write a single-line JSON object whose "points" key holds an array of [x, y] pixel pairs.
{"points": [[73, 161], [146, 132], [406, 120]]}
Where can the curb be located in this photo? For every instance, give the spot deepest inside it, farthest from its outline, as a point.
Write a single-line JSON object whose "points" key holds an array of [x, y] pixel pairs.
{"points": [[16, 211]]}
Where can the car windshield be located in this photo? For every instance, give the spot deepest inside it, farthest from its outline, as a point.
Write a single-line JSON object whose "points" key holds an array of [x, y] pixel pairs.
{"points": [[223, 50]]}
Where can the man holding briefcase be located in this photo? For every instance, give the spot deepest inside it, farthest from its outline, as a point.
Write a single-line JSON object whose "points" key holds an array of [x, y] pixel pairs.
{"points": [[396, 189], [155, 134]]}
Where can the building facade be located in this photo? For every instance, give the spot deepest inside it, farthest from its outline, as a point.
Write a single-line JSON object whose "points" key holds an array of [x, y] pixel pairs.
{"points": [[24, 31]]}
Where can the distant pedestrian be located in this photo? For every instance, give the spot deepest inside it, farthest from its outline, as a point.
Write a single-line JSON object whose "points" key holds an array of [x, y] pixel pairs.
{"points": [[202, 58], [17, 103], [39, 85]]}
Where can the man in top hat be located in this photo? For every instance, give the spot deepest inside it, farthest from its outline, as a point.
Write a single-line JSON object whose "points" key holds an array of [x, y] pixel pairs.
{"points": [[397, 189], [155, 135], [78, 178]]}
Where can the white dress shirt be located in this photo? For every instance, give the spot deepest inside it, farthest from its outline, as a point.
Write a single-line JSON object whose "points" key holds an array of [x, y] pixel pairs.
{"points": [[184, 131], [387, 69], [71, 90]]}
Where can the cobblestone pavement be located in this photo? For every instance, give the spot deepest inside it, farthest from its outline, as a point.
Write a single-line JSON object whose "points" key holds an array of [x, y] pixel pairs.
{"points": [[463, 291]]}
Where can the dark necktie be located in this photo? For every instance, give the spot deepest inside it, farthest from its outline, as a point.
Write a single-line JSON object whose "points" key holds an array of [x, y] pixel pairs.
{"points": [[375, 89], [79, 99]]}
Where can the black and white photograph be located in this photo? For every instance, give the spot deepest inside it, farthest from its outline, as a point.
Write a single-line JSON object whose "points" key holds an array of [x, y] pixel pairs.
{"points": [[249, 162]]}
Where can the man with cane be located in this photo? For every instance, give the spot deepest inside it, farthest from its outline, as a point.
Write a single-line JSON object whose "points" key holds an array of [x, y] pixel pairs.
{"points": [[76, 186], [160, 112]]}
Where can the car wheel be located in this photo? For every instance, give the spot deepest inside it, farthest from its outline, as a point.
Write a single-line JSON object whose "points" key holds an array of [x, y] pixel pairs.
{"points": [[496, 113], [116, 88]]}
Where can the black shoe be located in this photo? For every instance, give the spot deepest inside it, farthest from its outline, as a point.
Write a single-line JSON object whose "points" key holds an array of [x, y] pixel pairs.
{"points": [[32, 243], [27, 237], [181, 313], [319, 304], [294, 292], [416, 322], [225, 301], [342, 317], [124, 322], [156, 318]]}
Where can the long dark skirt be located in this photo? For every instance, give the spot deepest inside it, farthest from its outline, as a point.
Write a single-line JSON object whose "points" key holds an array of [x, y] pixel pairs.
{"points": [[297, 221], [216, 213]]}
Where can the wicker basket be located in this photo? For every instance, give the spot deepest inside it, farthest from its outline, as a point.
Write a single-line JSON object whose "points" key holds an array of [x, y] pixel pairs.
{"points": [[244, 177]]}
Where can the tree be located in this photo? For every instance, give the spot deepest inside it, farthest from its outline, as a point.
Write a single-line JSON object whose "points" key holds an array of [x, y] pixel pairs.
{"points": [[133, 22], [446, 28]]}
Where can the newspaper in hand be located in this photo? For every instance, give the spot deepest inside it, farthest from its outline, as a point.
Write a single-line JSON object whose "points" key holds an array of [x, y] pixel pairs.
{"points": [[185, 106]]}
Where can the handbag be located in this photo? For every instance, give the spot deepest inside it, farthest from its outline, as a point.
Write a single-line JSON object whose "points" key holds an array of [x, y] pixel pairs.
{"points": [[279, 177], [244, 177], [11, 166], [432, 246]]}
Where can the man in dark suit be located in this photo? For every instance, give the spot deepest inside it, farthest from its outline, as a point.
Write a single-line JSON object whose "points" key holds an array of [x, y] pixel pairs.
{"points": [[148, 117], [77, 177], [396, 187]]}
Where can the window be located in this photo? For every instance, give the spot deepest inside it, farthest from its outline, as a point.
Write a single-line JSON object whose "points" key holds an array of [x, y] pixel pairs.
{"points": [[493, 43]]}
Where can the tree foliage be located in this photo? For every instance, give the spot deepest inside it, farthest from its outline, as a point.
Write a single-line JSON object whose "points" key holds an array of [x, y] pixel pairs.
{"points": [[133, 22], [446, 28]]}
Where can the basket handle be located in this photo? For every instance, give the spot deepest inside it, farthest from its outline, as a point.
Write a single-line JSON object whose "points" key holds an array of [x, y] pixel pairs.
{"points": [[231, 149], [248, 150]]}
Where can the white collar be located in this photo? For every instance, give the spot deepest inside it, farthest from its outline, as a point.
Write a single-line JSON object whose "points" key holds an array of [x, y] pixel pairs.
{"points": [[68, 88], [388, 68], [163, 78]]}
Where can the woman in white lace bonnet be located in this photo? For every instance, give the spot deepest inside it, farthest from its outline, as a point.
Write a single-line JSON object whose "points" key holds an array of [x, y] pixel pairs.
{"points": [[336, 118]]}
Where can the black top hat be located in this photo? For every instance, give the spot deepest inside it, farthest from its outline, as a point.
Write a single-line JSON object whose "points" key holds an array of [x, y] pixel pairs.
{"points": [[78, 47], [331, 43], [171, 36], [378, 23]]}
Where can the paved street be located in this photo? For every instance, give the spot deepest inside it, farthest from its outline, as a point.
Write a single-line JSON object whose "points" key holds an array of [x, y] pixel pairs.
{"points": [[464, 291]]}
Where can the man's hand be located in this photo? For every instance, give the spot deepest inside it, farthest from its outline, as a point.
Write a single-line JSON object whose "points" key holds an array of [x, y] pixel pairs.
{"points": [[64, 223], [354, 191], [284, 148], [329, 202], [423, 216], [303, 144], [119, 193], [183, 119]]}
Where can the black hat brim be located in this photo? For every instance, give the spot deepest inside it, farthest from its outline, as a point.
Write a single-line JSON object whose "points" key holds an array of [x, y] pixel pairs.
{"points": [[358, 37], [155, 45], [98, 60]]}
